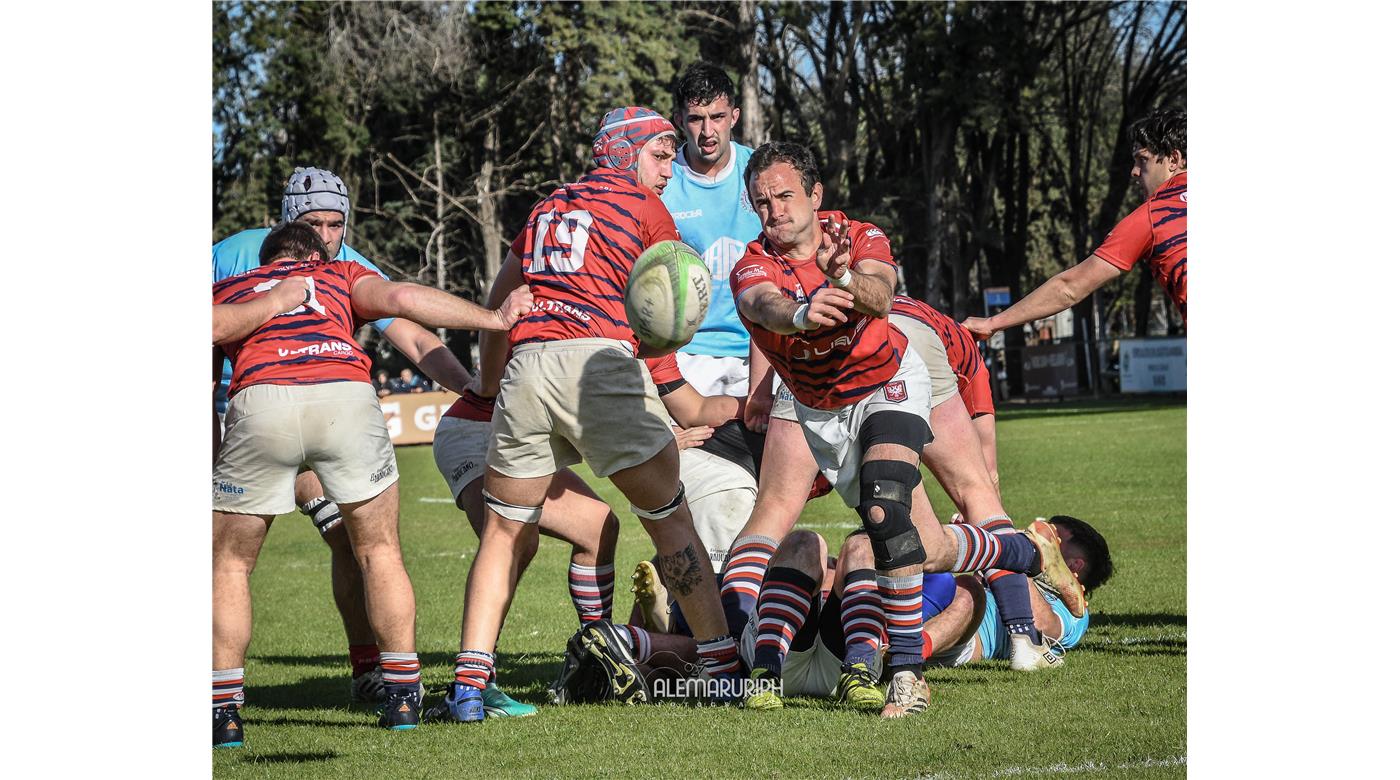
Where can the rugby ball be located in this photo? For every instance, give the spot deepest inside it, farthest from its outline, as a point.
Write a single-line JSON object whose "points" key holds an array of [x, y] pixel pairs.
{"points": [[667, 296]]}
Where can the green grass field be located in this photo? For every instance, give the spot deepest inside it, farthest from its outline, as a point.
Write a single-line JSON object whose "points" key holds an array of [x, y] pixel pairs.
{"points": [[1117, 709]]}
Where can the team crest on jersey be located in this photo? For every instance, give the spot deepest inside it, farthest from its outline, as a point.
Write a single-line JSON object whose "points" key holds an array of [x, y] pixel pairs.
{"points": [[895, 392]]}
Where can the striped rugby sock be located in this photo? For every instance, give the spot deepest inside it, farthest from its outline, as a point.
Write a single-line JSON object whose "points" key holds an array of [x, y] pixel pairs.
{"points": [[475, 668], [638, 641], [719, 656], [862, 616], [783, 606], [591, 590], [400, 670], [903, 602], [742, 577], [228, 687], [1010, 589], [979, 550]]}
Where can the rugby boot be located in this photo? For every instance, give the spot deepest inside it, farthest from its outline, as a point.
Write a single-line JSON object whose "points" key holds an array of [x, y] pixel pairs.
{"points": [[652, 598], [581, 679], [499, 705], [908, 695], [1026, 656], [399, 709], [368, 688], [857, 687], [462, 704], [600, 640], [228, 727], [1054, 573], [763, 691]]}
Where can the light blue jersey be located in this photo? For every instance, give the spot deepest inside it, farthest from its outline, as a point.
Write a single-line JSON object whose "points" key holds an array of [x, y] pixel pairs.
{"points": [[238, 254], [996, 643], [717, 220]]}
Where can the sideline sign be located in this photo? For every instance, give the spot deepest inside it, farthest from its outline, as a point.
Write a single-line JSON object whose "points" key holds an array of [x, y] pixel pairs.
{"points": [[1152, 365], [413, 417]]}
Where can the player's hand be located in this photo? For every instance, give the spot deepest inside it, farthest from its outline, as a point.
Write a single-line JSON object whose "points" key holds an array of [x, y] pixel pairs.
{"points": [[291, 293], [826, 307], [757, 407], [834, 253], [692, 437], [516, 305], [981, 327]]}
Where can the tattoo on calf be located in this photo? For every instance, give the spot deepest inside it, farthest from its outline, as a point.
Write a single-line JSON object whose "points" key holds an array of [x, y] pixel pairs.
{"points": [[680, 571]]}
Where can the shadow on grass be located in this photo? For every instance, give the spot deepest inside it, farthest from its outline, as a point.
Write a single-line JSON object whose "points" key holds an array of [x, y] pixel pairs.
{"points": [[1023, 410], [1137, 619], [529, 674], [290, 758]]}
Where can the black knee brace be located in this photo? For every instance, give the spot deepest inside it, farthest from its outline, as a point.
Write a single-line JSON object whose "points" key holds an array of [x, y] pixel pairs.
{"points": [[889, 484]]}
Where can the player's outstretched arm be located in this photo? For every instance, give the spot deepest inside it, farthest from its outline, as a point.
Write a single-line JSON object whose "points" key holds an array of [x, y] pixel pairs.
{"points": [[425, 350], [687, 407], [374, 298], [870, 282], [765, 305], [233, 321], [1058, 293]]}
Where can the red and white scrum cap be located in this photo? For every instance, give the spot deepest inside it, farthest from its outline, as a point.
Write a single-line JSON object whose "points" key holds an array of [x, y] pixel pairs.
{"points": [[622, 134]]}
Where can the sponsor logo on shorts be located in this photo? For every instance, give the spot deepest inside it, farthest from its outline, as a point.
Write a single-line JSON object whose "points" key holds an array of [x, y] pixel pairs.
{"points": [[462, 469], [230, 488], [382, 473], [896, 392], [317, 349], [751, 272]]}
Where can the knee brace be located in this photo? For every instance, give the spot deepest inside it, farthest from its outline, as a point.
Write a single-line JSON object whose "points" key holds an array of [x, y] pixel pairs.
{"points": [[520, 514], [665, 511], [889, 485]]}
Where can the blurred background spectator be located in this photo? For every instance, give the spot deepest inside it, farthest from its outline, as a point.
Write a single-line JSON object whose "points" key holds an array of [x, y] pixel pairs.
{"points": [[407, 382], [381, 383]]}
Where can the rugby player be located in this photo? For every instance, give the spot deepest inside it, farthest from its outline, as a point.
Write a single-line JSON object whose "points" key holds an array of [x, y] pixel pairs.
{"points": [[572, 390], [572, 512], [300, 395], [236, 320], [815, 292], [319, 198], [1154, 234]]}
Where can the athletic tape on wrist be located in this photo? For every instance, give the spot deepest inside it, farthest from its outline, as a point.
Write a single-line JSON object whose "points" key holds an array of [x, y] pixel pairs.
{"points": [[799, 318], [845, 280]]}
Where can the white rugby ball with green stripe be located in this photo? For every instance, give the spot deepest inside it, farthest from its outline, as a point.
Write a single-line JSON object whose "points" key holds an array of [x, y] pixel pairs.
{"points": [[667, 295]]}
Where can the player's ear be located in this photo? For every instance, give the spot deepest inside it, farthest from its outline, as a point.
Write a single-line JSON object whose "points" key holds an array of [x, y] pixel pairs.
{"points": [[817, 195], [1176, 159]]}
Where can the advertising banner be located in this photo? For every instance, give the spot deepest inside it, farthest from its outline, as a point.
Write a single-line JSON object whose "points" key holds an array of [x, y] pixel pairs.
{"points": [[1152, 365], [412, 417], [1050, 370]]}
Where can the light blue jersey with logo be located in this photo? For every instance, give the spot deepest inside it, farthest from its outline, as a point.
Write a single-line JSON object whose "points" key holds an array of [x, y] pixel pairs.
{"points": [[717, 220], [238, 254]]}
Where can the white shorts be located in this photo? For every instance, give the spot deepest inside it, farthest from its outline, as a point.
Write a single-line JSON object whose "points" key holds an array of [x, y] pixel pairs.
{"points": [[934, 353], [715, 374], [563, 402], [721, 495], [459, 449], [784, 405], [833, 436], [812, 671], [335, 428]]}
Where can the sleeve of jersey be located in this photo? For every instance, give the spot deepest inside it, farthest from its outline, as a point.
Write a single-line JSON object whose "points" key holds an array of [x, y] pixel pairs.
{"points": [[350, 254], [871, 243], [657, 223], [752, 269], [518, 245], [1129, 241], [665, 373], [1074, 628]]}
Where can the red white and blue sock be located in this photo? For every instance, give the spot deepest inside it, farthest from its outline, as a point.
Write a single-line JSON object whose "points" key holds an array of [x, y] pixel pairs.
{"points": [[862, 617], [720, 656], [638, 641], [475, 668], [1010, 589], [903, 602], [742, 577], [979, 550], [228, 687], [783, 604], [401, 671], [591, 590]]}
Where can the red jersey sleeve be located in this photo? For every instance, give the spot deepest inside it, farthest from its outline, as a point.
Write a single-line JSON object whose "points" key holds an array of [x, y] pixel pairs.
{"points": [[664, 370], [518, 245], [1129, 241], [754, 269], [869, 243], [656, 221]]}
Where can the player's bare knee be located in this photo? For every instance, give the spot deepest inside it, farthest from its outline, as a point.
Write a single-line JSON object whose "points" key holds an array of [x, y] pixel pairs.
{"points": [[801, 550], [856, 552]]}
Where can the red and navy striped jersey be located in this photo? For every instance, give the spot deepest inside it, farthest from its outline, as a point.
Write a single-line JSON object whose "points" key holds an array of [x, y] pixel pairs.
{"points": [[963, 355], [827, 368], [577, 251], [308, 345], [1155, 233]]}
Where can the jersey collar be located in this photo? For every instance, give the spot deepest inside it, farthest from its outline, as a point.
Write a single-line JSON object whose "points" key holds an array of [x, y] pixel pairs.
{"points": [[709, 181]]}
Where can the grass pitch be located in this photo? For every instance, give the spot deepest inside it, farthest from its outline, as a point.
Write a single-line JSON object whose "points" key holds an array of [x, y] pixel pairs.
{"points": [[1117, 709]]}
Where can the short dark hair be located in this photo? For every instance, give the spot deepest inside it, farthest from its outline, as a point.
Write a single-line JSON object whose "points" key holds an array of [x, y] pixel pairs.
{"points": [[296, 240], [1095, 549], [701, 83], [1161, 132], [796, 155]]}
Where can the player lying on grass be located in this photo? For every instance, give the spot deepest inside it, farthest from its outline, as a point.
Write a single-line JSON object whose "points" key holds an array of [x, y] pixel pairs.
{"points": [[301, 396], [318, 198], [572, 512]]}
